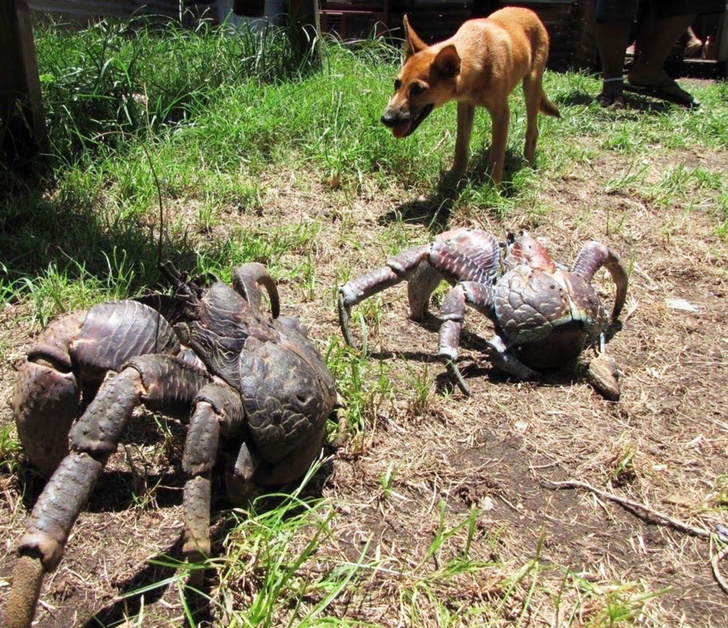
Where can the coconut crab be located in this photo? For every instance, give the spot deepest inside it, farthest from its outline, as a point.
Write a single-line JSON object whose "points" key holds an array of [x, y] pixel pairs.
{"points": [[543, 315], [252, 385]]}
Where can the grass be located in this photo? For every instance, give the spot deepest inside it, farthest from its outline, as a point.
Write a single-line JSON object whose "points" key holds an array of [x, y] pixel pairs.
{"points": [[259, 160]]}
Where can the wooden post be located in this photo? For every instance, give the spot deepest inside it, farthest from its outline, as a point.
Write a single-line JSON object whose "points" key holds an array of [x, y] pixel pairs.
{"points": [[22, 120], [304, 30]]}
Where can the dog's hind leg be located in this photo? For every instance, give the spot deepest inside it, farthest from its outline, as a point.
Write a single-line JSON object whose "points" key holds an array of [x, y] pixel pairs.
{"points": [[466, 114], [497, 156], [533, 92]]}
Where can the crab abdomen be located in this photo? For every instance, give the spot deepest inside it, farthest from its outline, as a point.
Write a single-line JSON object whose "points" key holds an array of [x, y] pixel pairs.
{"points": [[545, 318], [288, 394], [529, 304]]}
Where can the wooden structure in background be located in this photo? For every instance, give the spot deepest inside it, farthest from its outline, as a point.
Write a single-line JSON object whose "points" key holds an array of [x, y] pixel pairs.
{"points": [[354, 18], [572, 38], [22, 119], [572, 44], [303, 29]]}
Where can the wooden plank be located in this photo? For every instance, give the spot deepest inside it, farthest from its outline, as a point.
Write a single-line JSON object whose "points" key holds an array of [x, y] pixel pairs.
{"points": [[22, 130], [304, 30], [723, 39], [122, 9]]}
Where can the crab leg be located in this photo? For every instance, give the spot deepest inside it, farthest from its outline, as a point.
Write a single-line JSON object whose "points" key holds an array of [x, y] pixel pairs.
{"points": [[47, 395], [398, 269], [452, 312], [65, 367], [591, 258], [218, 410], [156, 381]]}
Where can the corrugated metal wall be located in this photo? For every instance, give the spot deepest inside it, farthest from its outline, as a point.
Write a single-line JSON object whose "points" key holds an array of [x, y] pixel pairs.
{"points": [[85, 9]]}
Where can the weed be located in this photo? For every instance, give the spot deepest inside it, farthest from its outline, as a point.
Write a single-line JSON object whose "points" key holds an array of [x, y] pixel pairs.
{"points": [[422, 386], [9, 447]]}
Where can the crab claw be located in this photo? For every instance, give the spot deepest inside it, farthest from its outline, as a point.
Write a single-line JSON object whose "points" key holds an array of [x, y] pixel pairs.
{"points": [[619, 274], [344, 316], [457, 376], [604, 376], [247, 277], [593, 256]]}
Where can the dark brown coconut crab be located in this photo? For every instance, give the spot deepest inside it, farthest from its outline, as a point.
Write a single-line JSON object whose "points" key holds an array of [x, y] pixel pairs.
{"points": [[543, 315], [252, 385]]}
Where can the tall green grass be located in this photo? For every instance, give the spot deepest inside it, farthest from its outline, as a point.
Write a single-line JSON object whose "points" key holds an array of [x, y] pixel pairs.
{"points": [[211, 109], [120, 78], [202, 116]]}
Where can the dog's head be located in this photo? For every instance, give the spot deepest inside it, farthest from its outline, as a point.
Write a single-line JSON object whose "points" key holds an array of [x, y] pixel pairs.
{"points": [[427, 79]]}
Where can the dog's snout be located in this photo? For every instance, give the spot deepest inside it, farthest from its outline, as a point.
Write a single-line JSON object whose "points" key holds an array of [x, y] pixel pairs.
{"points": [[389, 118]]}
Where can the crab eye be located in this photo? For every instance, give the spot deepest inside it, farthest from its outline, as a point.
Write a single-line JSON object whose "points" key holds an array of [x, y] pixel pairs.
{"points": [[397, 84], [417, 89]]}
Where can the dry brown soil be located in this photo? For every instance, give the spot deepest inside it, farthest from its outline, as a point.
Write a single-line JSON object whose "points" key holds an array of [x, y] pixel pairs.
{"points": [[663, 444]]}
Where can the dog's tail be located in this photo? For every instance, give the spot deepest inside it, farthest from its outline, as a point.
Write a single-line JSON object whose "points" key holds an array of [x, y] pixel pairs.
{"points": [[547, 107]]}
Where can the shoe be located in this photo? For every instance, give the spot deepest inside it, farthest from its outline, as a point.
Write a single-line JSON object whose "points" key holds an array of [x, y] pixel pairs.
{"points": [[611, 101], [667, 90]]}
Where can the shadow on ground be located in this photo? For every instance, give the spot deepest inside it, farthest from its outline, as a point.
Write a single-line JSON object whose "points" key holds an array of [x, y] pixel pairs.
{"points": [[434, 211], [43, 224]]}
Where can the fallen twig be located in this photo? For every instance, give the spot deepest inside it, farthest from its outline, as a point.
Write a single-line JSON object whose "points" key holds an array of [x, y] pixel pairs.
{"points": [[661, 517], [716, 571], [653, 514]]}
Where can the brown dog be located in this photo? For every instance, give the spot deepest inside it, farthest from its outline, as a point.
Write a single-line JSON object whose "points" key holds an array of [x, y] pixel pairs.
{"points": [[480, 65]]}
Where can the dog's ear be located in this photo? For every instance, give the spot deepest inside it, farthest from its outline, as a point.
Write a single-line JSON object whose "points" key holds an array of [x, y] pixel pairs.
{"points": [[447, 62], [412, 43]]}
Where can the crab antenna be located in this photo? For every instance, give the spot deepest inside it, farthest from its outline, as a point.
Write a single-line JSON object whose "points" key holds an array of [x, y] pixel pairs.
{"points": [[174, 277]]}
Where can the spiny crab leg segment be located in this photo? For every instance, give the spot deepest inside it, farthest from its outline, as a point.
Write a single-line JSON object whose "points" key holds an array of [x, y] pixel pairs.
{"points": [[452, 312], [457, 255], [158, 382], [591, 258], [398, 269]]}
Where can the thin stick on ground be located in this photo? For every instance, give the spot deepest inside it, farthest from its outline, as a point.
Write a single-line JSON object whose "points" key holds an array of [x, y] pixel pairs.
{"points": [[631, 504], [716, 570], [654, 515]]}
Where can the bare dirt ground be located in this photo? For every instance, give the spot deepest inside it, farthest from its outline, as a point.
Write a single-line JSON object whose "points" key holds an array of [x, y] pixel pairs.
{"points": [[663, 444]]}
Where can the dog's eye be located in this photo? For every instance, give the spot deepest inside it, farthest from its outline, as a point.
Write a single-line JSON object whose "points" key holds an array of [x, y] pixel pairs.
{"points": [[397, 84], [417, 89]]}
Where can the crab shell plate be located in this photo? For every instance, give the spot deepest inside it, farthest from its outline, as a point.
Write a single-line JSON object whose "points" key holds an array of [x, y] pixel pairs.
{"points": [[546, 317], [287, 392]]}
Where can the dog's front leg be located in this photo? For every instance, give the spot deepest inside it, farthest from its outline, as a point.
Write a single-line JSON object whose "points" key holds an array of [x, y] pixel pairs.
{"points": [[497, 155], [466, 114]]}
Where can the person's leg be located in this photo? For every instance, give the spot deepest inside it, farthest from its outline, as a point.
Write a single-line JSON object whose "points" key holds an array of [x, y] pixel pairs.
{"points": [[612, 39], [655, 40], [612, 25]]}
